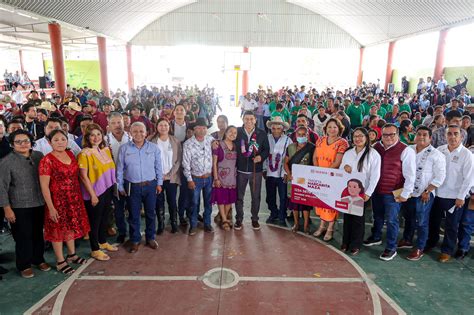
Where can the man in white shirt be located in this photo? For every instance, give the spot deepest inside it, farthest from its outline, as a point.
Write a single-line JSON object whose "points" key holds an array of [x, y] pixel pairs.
{"points": [[274, 172], [17, 96], [43, 145], [452, 193], [115, 138], [398, 174], [430, 174], [248, 104], [442, 83], [197, 168]]}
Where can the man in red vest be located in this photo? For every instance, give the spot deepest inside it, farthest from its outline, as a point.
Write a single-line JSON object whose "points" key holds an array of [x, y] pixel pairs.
{"points": [[395, 186]]}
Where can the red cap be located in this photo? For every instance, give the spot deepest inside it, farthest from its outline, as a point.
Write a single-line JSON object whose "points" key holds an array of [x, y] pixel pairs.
{"points": [[92, 103]]}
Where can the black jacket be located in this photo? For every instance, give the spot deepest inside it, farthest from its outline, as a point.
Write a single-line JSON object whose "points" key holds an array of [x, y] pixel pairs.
{"points": [[245, 164]]}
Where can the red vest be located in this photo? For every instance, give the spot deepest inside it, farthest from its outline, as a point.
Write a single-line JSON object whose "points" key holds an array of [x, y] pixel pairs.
{"points": [[391, 175]]}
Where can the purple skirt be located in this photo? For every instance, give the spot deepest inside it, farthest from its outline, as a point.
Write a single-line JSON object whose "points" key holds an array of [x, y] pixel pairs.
{"points": [[223, 196]]}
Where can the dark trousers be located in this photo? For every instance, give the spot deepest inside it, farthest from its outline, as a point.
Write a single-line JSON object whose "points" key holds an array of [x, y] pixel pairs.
{"points": [[274, 185], [185, 198], [416, 214], [440, 206], [147, 195], [353, 230], [242, 180], [170, 190], [119, 212], [27, 232], [99, 219]]}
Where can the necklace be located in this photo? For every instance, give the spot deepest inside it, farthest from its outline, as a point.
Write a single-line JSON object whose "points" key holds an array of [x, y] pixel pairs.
{"points": [[272, 167], [253, 145]]}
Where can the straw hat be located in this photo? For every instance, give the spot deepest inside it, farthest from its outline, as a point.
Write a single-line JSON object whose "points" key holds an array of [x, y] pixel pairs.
{"points": [[278, 121], [74, 106], [48, 106]]}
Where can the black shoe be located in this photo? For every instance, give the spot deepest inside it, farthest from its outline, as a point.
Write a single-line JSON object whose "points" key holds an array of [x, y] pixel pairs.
{"points": [[183, 222], [371, 241], [192, 231], [460, 254], [200, 218], [238, 225], [255, 225], [121, 239], [388, 255], [3, 270], [208, 229], [271, 220]]}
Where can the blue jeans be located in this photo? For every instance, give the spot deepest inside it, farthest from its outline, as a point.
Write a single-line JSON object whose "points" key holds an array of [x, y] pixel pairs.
{"points": [[385, 205], [260, 123], [170, 190], [119, 211], [440, 207], [417, 215], [204, 185], [466, 228], [453, 227], [273, 185], [185, 198], [138, 195]]}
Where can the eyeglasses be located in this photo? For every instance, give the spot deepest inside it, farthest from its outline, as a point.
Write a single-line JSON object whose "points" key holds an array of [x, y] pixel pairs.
{"points": [[389, 135], [20, 142]]}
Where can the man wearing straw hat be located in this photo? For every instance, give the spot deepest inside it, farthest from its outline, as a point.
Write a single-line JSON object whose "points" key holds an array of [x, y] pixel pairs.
{"points": [[252, 150], [274, 173]]}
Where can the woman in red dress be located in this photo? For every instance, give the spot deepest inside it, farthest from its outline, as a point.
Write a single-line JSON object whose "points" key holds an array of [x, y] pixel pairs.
{"points": [[65, 215]]}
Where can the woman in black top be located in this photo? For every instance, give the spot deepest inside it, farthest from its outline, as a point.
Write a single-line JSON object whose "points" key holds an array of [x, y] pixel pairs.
{"points": [[21, 198]]}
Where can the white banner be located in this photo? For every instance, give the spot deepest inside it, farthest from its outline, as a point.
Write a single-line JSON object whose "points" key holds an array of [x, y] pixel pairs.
{"points": [[328, 188]]}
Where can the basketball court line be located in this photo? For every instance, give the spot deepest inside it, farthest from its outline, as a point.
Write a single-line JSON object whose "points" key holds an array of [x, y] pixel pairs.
{"points": [[375, 291]]}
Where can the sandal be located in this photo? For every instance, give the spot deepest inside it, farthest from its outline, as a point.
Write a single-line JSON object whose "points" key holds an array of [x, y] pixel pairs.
{"points": [[225, 226], [110, 248], [100, 255], [328, 236], [64, 268], [73, 258], [319, 232]]}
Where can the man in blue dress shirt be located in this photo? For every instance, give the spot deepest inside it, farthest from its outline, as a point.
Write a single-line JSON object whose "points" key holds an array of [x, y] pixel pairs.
{"points": [[140, 177]]}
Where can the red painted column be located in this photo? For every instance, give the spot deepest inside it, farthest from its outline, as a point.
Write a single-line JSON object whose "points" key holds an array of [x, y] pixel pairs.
{"points": [[439, 66], [361, 60], [130, 80], [388, 73], [58, 59], [245, 77], [22, 68], [104, 79]]}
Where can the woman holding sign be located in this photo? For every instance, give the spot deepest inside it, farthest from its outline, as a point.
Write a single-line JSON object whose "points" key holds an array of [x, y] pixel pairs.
{"points": [[329, 152], [361, 158], [300, 152]]}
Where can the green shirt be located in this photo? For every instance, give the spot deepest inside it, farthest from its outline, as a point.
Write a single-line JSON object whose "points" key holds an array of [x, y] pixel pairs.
{"points": [[272, 106], [405, 108], [367, 107], [381, 112], [284, 114], [411, 138], [388, 107], [356, 114], [416, 123]]}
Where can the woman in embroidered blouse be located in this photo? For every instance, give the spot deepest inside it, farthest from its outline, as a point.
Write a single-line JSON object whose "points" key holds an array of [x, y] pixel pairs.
{"points": [[65, 215], [171, 155], [329, 152], [224, 191], [299, 152], [97, 174]]}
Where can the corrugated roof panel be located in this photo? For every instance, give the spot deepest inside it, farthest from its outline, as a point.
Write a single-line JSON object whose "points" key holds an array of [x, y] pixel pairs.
{"points": [[239, 23]]}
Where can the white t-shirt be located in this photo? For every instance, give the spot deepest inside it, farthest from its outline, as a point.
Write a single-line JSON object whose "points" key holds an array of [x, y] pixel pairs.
{"points": [[166, 150]]}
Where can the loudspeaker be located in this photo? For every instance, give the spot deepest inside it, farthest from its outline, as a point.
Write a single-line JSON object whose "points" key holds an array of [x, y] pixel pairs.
{"points": [[42, 82]]}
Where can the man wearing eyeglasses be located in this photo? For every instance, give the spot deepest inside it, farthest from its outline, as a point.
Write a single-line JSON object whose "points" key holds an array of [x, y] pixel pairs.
{"points": [[395, 186], [451, 199]]}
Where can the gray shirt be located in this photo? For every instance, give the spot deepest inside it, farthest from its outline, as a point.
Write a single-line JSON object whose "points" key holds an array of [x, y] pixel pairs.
{"points": [[19, 183]]}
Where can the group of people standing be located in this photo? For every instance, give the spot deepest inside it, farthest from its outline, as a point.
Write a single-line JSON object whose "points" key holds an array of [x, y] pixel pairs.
{"points": [[59, 189]]}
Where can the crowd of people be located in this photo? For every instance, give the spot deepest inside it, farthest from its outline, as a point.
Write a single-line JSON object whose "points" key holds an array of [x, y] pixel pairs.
{"points": [[86, 164]]}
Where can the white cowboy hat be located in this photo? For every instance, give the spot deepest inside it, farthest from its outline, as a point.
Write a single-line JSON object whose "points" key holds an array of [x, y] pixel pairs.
{"points": [[278, 121], [48, 106], [74, 106]]}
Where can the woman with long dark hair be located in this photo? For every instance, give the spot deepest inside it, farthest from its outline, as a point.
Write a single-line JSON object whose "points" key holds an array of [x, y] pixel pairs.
{"points": [[361, 158], [171, 155]]}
